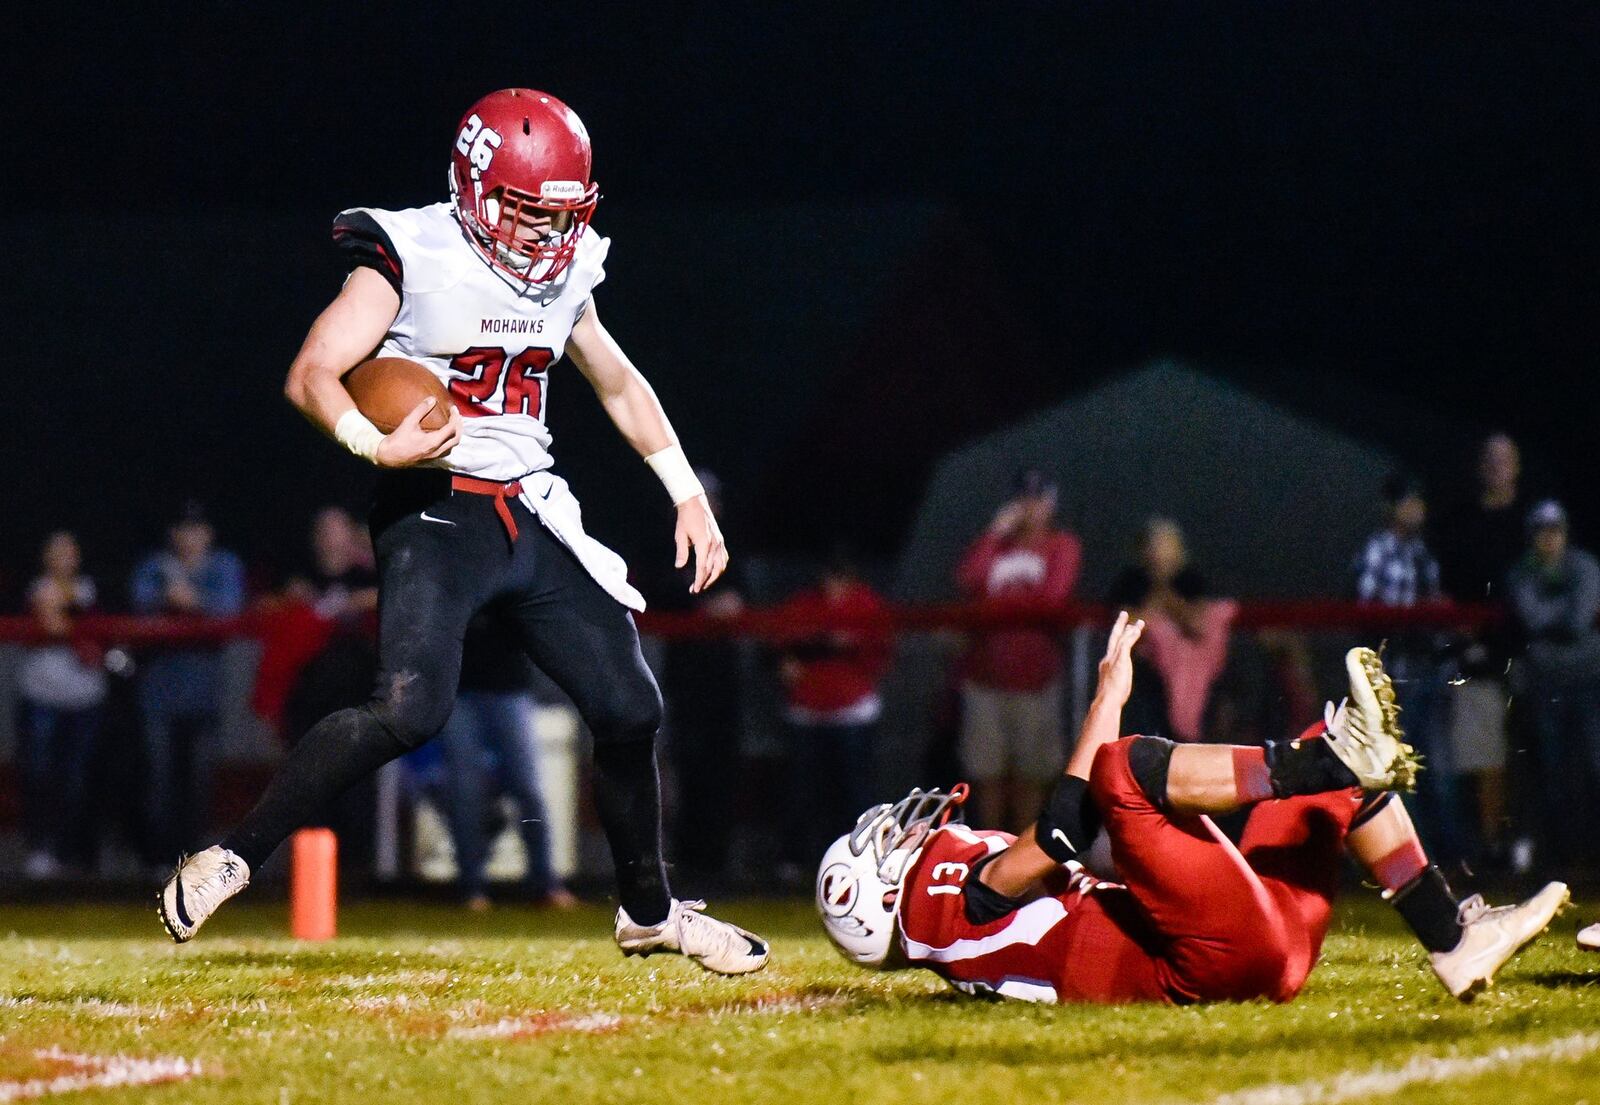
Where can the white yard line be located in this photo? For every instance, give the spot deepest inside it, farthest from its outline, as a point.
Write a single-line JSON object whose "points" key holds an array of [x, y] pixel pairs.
{"points": [[509, 1028], [776, 1005], [1424, 1068], [93, 1007], [469, 1027], [94, 1072]]}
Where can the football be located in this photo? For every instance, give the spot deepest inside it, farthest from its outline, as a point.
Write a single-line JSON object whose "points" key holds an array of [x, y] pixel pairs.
{"points": [[386, 388]]}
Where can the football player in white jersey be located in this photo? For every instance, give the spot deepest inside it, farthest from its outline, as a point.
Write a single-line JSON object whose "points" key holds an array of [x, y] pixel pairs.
{"points": [[487, 291]]}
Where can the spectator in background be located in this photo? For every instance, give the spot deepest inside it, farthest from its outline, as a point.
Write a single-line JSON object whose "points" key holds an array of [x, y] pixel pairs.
{"points": [[319, 620], [341, 592], [1012, 744], [702, 685], [1477, 542], [831, 702], [1555, 597], [1185, 639], [337, 599], [1479, 539], [490, 732], [344, 580], [61, 690], [179, 690], [1395, 569]]}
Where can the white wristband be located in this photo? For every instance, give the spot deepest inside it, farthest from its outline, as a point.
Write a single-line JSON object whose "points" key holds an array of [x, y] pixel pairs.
{"points": [[672, 469], [357, 433]]}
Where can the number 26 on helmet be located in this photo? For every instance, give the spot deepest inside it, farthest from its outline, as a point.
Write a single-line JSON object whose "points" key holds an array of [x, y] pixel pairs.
{"points": [[520, 183]]}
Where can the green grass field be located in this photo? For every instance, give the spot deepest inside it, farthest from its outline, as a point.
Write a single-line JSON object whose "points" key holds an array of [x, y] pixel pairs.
{"points": [[419, 1003]]}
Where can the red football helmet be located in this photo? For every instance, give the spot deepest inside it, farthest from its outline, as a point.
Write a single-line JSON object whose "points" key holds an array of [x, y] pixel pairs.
{"points": [[521, 155]]}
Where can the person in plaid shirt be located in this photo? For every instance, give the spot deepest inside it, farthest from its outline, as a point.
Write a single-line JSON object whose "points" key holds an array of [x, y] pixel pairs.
{"points": [[1395, 568]]}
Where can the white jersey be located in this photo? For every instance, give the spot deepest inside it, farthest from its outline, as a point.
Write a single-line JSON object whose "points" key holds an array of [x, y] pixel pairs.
{"points": [[490, 340]]}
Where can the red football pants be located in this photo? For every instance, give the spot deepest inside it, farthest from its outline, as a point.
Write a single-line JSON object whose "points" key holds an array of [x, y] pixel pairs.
{"points": [[1201, 919]]}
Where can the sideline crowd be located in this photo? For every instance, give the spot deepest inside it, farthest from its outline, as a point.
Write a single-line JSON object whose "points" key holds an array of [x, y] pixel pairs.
{"points": [[117, 750]]}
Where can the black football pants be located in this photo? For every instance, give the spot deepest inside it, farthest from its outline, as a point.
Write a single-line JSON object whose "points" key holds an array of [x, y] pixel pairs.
{"points": [[442, 556]]}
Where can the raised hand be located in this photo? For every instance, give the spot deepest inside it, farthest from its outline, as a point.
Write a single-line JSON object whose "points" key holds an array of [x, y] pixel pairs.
{"points": [[1116, 666]]}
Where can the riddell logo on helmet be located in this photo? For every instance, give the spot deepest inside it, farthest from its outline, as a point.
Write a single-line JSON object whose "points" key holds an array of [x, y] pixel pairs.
{"points": [[562, 191], [838, 889]]}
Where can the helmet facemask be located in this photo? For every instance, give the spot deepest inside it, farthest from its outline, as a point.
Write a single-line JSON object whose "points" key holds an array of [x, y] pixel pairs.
{"points": [[492, 222], [896, 833], [860, 884]]}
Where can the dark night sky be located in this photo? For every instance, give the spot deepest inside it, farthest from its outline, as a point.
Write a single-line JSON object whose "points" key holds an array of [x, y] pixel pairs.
{"points": [[1313, 199]]}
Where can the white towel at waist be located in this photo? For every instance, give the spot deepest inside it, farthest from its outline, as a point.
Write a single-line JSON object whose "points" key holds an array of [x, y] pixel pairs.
{"points": [[548, 496]]}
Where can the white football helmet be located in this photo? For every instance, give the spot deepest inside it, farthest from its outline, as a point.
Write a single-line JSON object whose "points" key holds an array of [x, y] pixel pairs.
{"points": [[858, 884]]}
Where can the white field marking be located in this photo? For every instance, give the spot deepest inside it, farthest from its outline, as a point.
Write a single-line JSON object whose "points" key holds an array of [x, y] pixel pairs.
{"points": [[780, 1005], [98, 1007], [98, 1072], [94, 1007], [377, 1003], [1424, 1068], [432, 977], [473, 1011], [550, 1023], [511, 1027]]}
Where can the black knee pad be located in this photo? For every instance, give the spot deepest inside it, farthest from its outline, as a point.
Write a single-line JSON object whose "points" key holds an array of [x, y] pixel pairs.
{"points": [[1148, 760]]}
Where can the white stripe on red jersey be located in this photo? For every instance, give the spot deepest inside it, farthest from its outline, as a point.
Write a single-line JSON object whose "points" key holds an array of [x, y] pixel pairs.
{"points": [[1018, 956]]}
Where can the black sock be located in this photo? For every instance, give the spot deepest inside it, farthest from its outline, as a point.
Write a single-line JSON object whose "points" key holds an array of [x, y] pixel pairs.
{"points": [[1428, 906], [627, 794], [982, 903], [339, 751], [1306, 767]]}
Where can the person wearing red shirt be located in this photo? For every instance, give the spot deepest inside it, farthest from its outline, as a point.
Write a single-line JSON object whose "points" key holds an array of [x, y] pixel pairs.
{"points": [[1011, 726], [831, 700]]}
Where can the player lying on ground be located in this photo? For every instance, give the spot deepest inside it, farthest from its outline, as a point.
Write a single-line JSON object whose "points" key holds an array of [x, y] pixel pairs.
{"points": [[1194, 918], [486, 292]]}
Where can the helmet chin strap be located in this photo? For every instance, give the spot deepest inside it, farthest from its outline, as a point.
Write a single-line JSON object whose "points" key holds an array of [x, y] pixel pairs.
{"points": [[512, 259]]}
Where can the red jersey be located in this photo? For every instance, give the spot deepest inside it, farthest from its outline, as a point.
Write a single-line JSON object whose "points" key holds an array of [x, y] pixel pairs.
{"points": [[838, 668], [1041, 570], [1198, 919], [1022, 955]]}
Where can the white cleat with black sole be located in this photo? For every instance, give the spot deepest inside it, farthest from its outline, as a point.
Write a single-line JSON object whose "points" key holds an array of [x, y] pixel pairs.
{"points": [[715, 945], [201, 883], [1491, 935], [1364, 732]]}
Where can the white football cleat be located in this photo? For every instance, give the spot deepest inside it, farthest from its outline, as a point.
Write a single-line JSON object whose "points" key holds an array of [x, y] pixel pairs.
{"points": [[1364, 732], [201, 883], [1490, 935], [715, 945], [1589, 938]]}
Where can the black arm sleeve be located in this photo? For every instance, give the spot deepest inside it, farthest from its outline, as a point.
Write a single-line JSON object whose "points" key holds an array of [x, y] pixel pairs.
{"points": [[364, 243]]}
